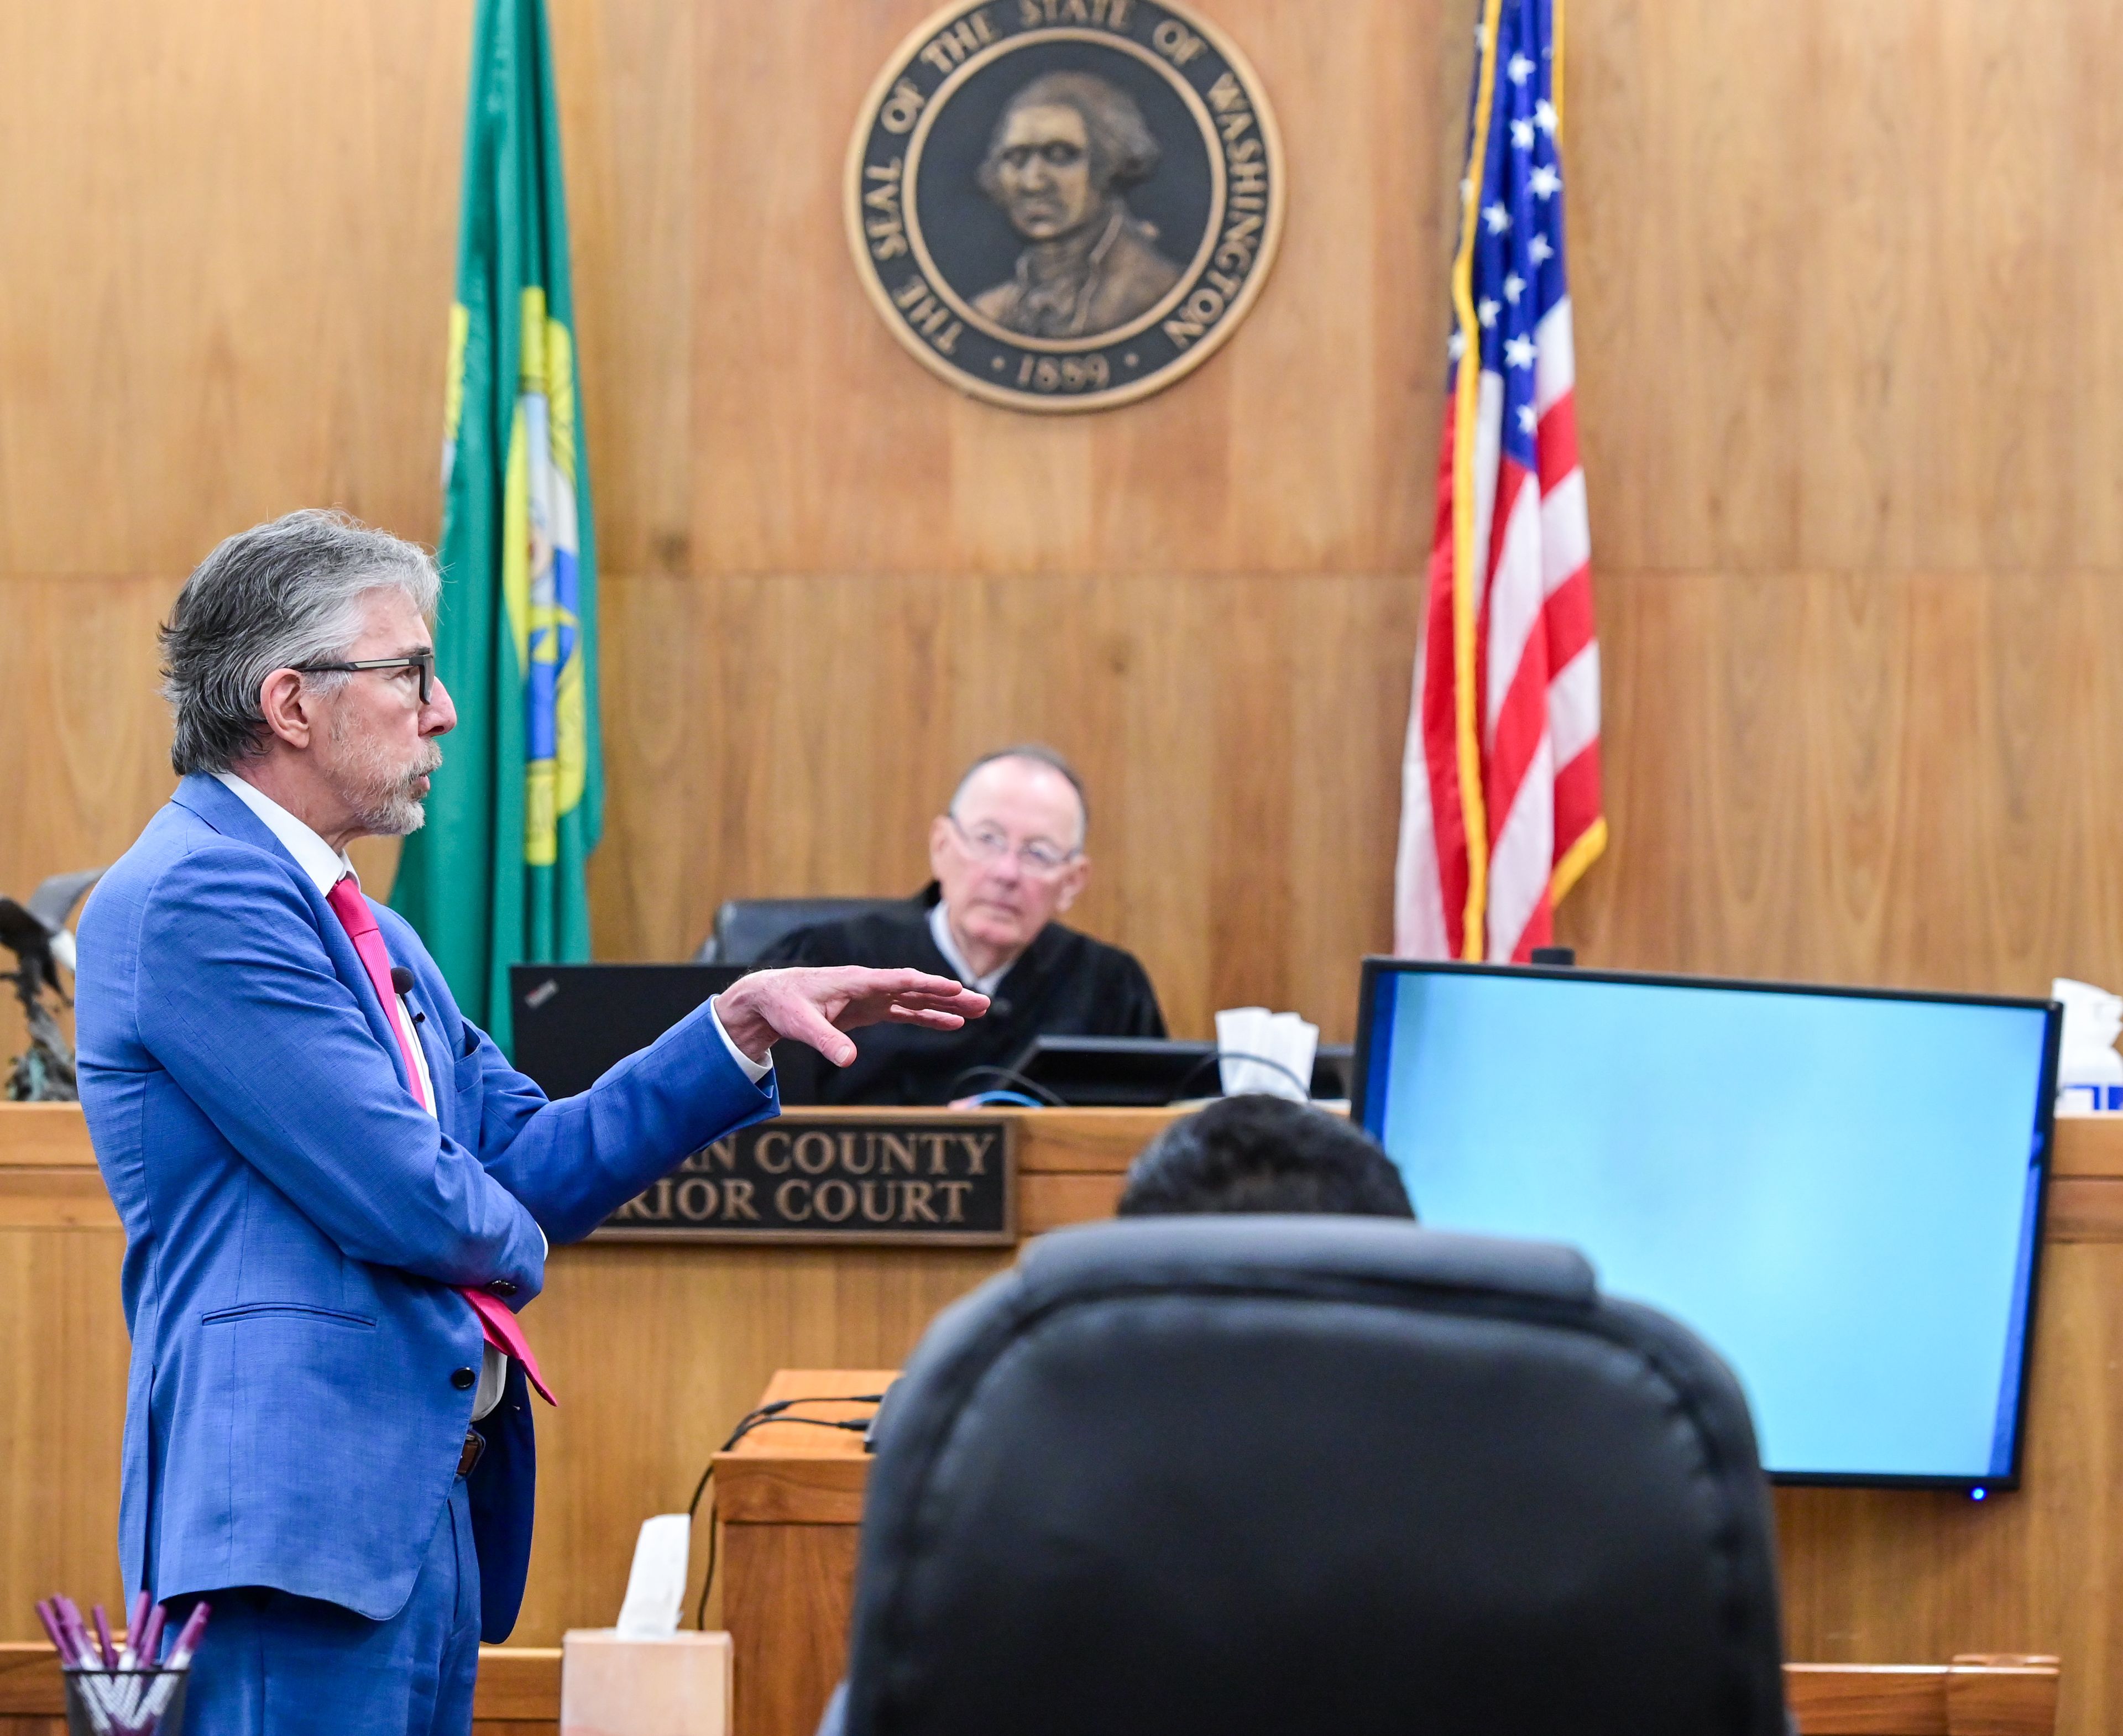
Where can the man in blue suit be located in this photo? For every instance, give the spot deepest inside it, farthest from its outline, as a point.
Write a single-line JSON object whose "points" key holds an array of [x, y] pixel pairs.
{"points": [[335, 1190]]}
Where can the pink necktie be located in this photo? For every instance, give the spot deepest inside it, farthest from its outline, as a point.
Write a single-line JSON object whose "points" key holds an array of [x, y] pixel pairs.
{"points": [[352, 909]]}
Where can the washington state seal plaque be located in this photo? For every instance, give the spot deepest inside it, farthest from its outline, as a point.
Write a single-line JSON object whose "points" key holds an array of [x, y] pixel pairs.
{"points": [[1063, 204]]}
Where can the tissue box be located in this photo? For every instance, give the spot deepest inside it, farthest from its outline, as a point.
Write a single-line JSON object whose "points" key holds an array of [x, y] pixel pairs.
{"points": [[675, 1685], [2090, 1100]]}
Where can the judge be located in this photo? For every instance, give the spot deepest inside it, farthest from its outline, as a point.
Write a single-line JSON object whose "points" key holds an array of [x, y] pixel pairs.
{"points": [[1008, 857]]}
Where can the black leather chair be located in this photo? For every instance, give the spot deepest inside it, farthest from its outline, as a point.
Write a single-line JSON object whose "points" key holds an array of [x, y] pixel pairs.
{"points": [[1232, 1475], [746, 927]]}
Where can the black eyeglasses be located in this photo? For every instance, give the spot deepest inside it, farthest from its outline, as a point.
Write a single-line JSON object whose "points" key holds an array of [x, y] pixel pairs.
{"points": [[423, 661]]}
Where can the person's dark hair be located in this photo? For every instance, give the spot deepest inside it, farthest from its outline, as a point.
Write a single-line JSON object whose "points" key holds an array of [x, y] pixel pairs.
{"points": [[1123, 150], [269, 599], [1258, 1153]]}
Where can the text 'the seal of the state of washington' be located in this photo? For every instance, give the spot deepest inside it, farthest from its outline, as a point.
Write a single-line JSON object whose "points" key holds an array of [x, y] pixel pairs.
{"points": [[1063, 204]]}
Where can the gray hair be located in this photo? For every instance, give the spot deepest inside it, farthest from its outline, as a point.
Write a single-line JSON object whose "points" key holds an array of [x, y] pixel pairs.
{"points": [[271, 598], [1123, 149], [1039, 754]]}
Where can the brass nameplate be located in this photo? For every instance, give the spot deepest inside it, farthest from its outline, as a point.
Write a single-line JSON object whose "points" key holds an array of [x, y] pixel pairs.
{"points": [[948, 1182]]}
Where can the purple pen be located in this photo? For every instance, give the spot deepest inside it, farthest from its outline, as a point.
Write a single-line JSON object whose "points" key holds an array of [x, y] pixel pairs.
{"points": [[150, 1636], [48, 1614], [103, 1645], [76, 1631], [180, 1657], [129, 1654], [188, 1637]]}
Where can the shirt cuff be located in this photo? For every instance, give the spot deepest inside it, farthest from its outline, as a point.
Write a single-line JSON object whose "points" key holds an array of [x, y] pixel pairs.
{"points": [[754, 1070]]}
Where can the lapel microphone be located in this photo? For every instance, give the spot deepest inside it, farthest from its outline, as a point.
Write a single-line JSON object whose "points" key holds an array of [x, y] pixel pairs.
{"points": [[401, 984]]}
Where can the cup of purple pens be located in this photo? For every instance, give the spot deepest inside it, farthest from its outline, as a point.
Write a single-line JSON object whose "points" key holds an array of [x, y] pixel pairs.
{"points": [[102, 1702], [125, 1686]]}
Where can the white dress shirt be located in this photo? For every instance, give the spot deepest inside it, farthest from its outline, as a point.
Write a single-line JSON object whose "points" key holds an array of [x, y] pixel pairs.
{"points": [[327, 867], [940, 932]]}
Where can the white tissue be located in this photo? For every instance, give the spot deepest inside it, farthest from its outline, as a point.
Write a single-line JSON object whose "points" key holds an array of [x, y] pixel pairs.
{"points": [[2089, 1070], [656, 1582], [1261, 1051]]}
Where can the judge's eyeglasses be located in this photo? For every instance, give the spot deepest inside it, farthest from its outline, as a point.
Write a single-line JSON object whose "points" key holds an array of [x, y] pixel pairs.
{"points": [[988, 844]]}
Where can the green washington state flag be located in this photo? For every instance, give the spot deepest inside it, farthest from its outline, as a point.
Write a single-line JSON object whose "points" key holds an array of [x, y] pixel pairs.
{"points": [[496, 877]]}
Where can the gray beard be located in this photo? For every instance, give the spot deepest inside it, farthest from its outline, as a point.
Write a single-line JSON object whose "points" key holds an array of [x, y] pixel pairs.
{"points": [[382, 797], [396, 816]]}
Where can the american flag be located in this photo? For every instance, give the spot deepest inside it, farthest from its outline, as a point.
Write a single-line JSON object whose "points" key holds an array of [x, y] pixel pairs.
{"points": [[1500, 783]]}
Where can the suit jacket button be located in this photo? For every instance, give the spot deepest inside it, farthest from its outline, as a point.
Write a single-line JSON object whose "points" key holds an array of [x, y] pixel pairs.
{"points": [[464, 1379], [502, 1287]]}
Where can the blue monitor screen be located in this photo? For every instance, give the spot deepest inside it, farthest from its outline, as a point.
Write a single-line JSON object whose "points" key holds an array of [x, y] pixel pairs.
{"points": [[1840, 1192]]}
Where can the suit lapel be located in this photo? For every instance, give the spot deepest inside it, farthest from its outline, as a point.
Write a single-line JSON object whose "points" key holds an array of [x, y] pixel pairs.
{"points": [[206, 798]]}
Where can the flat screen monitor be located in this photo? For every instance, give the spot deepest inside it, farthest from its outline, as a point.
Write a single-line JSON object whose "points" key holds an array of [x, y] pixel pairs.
{"points": [[574, 1022], [1841, 1190]]}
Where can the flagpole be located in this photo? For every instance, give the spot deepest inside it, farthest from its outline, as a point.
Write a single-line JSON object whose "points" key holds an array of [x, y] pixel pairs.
{"points": [[1467, 389]]}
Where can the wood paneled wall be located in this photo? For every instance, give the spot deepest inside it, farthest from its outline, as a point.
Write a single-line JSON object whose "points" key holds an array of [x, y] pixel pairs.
{"points": [[832, 583], [1847, 346], [227, 236], [828, 581]]}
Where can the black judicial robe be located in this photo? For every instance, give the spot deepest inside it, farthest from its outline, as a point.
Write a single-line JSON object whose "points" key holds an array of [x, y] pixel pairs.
{"points": [[1064, 984]]}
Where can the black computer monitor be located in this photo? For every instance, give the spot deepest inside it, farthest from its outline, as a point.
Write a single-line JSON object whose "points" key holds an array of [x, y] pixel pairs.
{"points": [[576, 1021], [1137, 1072], [1841, 1190]]}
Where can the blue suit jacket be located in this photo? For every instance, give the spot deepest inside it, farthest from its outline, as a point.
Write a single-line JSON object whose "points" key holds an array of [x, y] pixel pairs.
{"points": [[296, 1223]]}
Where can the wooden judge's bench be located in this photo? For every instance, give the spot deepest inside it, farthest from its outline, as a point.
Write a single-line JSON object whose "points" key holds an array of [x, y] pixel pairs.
{"points": [[657, 1348]]}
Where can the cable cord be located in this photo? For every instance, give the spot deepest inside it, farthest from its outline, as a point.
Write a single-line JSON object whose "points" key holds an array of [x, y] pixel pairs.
{"points": [[1016, 1081], [1239, 1054], [1010, 1076], [759, 1417]]}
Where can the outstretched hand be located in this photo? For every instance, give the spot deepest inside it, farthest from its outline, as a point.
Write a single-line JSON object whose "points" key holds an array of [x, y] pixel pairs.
{"points": [[817, 1007]]}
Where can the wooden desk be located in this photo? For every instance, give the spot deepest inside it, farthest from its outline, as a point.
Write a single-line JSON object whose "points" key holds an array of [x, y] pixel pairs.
{"points": [[1071, 1161], [791, 1508], [656, 1351], [789, 1499], [519, 1693]]}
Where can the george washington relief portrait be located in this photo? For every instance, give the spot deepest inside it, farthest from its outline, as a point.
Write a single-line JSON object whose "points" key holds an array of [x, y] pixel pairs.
{"points": [[1066, 148]]}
